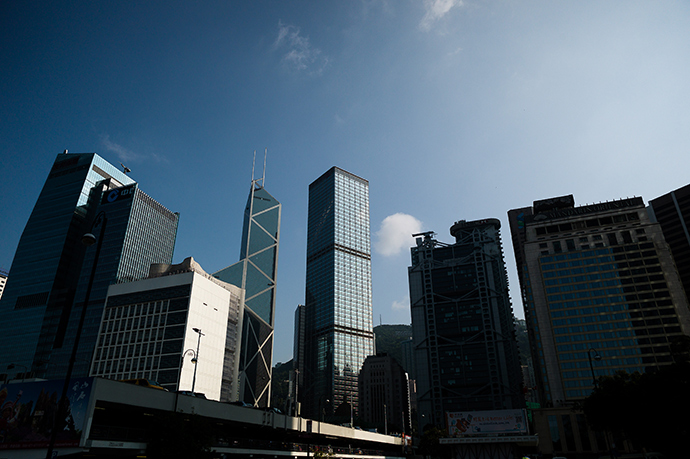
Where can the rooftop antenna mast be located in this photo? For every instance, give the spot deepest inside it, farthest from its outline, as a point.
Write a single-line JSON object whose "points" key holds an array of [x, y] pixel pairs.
{"points": [[263, 177]]}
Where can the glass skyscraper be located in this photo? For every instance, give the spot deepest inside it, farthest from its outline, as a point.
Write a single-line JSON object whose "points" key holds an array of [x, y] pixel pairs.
{"points": [[339, 329], [39, 307], [256, 274]]}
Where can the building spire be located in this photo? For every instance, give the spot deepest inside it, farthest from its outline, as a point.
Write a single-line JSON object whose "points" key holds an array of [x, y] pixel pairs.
{"points": [[263, 176]]}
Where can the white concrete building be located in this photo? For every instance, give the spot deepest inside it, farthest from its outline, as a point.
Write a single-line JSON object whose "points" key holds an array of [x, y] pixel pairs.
{"points": [[154, 328]]}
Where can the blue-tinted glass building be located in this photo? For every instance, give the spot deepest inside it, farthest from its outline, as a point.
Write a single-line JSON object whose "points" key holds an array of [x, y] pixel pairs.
{"points": [[48, 271], [256, 274], [339, 328], [464, 343], [598, 285], [139, 233]]}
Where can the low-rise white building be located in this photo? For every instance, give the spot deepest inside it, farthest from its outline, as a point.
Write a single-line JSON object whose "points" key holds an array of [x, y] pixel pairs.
{"points": [[165, 327]]}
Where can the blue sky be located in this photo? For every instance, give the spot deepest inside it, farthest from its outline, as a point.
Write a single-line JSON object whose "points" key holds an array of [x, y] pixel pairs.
{"points": [[451, 109]]}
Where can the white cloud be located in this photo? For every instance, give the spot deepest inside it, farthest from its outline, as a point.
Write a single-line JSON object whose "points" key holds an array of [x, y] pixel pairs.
{"points": [[402, 305], [122, 153], [300, 55], [435, 10], [396, 232]]}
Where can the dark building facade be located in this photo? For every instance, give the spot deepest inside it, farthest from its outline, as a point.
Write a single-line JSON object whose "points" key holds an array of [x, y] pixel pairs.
{"points": [[338, 310], [384, 394], [672, 211], [256, 274], [598, 285], [464, 338]]}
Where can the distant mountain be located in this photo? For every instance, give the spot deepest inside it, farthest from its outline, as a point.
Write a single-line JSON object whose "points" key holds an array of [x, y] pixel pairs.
{"points": [[389, 337]]}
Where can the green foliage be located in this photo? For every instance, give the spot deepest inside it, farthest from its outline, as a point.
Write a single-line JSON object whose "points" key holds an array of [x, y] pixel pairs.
{"points": [[650, 410], [324, 453], [429, 444]]}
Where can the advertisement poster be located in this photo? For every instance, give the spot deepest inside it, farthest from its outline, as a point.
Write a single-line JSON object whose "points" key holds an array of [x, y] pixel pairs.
{"points": [[30, 410], [487, 422]]}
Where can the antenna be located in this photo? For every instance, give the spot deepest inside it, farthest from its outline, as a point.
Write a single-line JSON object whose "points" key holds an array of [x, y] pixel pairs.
{"points": [[253, 163], [263, 176], [263, 179]]}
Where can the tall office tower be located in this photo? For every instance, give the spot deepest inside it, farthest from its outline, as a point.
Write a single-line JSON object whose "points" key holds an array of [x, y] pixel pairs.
{"points": [[384, 394], [45, 272], [179, 310], [462, 324], [339, 323], [672, 211], [138, 233], [256, 274], [598, 285]]}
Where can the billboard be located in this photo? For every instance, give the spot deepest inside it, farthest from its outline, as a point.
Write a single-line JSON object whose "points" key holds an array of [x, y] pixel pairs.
{"points": [[29, 410], [486, 422]]}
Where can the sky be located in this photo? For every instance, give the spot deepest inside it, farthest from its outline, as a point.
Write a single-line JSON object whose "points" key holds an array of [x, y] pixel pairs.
{"points": [[453, 110]]}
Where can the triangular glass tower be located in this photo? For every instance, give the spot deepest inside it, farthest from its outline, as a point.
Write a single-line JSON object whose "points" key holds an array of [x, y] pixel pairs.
{"points": [[256, 274]]}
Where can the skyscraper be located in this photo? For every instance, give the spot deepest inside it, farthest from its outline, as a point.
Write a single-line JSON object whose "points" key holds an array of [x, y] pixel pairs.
{"points": [[599, 288], [339, 323], [462, 324], [256, 274], [41, 305]]}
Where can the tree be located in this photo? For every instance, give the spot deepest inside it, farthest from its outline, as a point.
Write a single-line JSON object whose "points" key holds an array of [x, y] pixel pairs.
{"points": [[429, 444], [650, 409]]}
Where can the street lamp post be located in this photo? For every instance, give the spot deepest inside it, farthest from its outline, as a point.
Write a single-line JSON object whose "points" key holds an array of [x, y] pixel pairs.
{"points": [[195, 360], [87, 239], [596, 357], [385, 418]]}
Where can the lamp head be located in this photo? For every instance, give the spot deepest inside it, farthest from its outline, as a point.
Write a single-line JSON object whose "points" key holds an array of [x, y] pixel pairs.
{"points": [[88, 239]]}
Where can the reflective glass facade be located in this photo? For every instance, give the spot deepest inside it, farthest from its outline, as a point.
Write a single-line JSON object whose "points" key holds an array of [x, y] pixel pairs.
{"points": [[51, 267], [139, 232], [597, 280], [256, 273], [46, 266], [339, 329]]}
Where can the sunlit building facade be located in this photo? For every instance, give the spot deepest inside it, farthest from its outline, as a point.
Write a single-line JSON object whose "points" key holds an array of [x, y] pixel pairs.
{"points": [[148, 330], [339, 326]]}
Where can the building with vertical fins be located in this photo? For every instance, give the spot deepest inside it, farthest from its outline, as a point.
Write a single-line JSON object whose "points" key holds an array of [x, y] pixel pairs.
{"points": [[256, 274], [462, 324], [600, 288], [672, 211], [51, 267], [338, 310]]}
